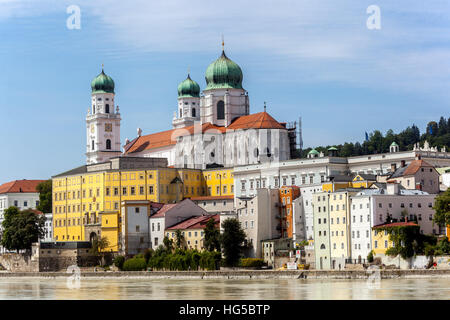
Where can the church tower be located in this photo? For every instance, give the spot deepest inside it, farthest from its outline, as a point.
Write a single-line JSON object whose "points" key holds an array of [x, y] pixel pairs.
{"points": [[102, 122], [188, 110], [224, 99]]}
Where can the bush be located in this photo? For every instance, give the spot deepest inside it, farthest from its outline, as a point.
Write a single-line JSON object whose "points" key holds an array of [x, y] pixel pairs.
{"points": [[118, 262], [251, 263], [134, 264], [370, 257], [148, 253]]}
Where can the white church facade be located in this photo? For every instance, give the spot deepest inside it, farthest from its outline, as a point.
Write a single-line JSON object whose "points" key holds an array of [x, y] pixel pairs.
{"points": [[215, 127]]}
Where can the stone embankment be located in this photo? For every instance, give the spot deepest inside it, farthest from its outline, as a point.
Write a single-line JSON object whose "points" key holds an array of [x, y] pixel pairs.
{"points": [[244, 274]]}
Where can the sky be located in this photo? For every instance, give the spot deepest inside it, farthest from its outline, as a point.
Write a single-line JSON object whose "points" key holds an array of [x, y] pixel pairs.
{"points": [[314, 59]]}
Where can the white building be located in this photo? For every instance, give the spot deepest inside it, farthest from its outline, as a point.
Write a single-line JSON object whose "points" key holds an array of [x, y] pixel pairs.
{"points": [[371, 207], [168, 216], [258, 217], [48, 228], [135, 233], [18, 193]]}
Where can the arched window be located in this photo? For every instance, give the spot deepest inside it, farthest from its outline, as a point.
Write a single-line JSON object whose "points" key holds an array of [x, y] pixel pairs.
{"points": [[322, 246], [220, 110], [181, 113], [93, 144], [108, 144], [193, 112], [93, 109], [107, 108]]}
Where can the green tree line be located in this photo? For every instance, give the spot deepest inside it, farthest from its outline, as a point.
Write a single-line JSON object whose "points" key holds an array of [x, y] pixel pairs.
{"points": [[436, 133]]}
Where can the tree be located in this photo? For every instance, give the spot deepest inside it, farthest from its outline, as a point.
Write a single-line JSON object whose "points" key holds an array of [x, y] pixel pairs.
{"points": [[179, 239], [21, 229], [168, 244], [98, 248], [442, 208], [232, 241], [212, 236], [45, 196]]}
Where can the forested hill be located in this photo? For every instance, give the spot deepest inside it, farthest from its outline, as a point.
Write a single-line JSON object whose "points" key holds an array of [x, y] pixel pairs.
{"points": [[436, 133]]}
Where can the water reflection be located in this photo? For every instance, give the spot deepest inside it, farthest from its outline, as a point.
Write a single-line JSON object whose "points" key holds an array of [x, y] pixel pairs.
{"points": [[207, 289]]}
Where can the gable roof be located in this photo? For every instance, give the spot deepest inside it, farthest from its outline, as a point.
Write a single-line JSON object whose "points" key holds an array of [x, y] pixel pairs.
{"points": [[260, 120], [397, 224], [410, 169], [195, 222], [20, 186]]}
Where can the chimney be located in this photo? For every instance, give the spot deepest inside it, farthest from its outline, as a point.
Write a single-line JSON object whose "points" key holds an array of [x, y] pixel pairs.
{"points": [[403, 163], [393, 167]]}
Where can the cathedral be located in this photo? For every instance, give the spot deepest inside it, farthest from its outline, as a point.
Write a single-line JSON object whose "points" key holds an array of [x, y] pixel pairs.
{"points": [[210, 128]]}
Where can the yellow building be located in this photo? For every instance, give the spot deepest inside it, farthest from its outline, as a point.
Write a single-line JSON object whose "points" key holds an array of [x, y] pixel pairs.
{"points": [[343, 182], [339, 216], [192, 231], [88, 198], [380, 236], [219, 181]]}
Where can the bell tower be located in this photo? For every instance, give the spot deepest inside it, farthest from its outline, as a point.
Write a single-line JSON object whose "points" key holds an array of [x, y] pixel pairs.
{"points": [[102, 122]]}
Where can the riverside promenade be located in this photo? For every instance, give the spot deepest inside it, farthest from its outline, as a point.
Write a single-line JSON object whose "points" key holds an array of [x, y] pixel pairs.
{"points": [[245, 274]]}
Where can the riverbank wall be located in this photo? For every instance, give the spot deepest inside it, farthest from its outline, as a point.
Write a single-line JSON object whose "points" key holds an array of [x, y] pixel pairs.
{"points": [[244, 274]]}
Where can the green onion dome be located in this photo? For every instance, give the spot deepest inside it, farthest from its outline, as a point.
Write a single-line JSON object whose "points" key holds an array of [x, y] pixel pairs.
{"points": [[394, 144], [223, 74], [102, 84], [314, 152], [332, 149], [188, 89]]}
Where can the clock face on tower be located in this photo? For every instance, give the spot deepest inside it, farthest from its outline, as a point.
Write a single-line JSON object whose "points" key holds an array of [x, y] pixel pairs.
{"points": [[108, 127], [92, 128]]}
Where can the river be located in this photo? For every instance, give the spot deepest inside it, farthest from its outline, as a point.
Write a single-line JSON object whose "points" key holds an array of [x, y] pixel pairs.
{"points": [[206, 289]]}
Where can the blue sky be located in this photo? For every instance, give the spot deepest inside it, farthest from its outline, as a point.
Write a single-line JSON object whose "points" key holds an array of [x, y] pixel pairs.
{"points": [[308, 58]]}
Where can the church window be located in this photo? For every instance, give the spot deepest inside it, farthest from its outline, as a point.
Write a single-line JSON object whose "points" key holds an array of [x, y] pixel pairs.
{"points": [[93, 144], [193, 112], [220, 110], [108, 144], [107, 108], [181, 113]]}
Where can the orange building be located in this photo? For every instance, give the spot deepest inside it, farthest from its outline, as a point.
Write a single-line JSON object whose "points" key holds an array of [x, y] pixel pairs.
{"points": [[287, 195]]}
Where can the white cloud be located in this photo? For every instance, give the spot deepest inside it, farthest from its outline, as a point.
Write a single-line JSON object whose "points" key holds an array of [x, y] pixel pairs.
{"points": [[327, 39]]}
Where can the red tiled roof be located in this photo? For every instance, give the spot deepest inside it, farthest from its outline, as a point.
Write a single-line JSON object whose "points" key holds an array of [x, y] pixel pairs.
{"points": [[196, 222], [20, 186], [396, 224], [261, 120], [212, 198], [414, 166], [162, 212]]}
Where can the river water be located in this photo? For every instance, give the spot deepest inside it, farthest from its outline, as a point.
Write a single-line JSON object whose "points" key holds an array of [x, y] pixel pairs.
{"points": [[207, 289]]}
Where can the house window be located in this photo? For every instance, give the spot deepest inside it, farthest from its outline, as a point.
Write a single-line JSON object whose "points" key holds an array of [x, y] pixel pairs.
{"points": [[193, 112], [136, 210]]}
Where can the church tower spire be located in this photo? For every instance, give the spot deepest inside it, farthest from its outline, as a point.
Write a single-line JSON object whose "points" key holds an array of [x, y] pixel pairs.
{"points": [[102, 121]]}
